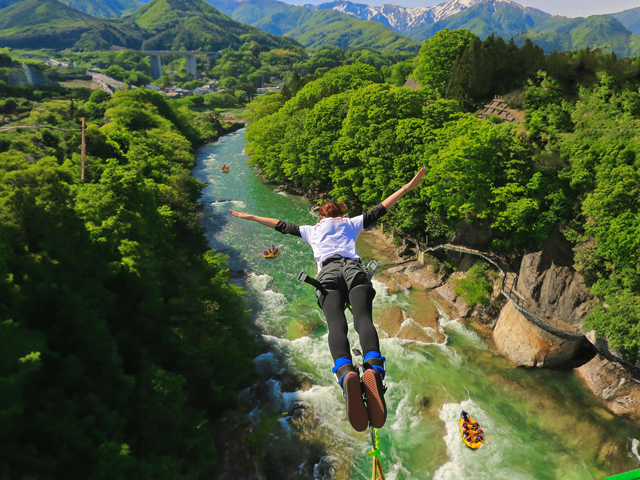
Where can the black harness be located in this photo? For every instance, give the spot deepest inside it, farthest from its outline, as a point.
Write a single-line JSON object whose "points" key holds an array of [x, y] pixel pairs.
{"points": [[320, 290], [370, 270]]}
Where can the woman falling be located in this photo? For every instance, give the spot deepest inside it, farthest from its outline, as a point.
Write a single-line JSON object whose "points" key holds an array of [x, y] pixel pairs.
{"points": [[333, 240]]}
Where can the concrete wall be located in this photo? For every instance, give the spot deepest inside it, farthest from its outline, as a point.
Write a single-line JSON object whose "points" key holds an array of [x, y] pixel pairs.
{"points": [[526, 344]]}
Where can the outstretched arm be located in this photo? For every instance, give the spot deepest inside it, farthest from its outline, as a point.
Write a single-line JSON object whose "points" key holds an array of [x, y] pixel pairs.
{"points": [[392, 199], [268, 222]]}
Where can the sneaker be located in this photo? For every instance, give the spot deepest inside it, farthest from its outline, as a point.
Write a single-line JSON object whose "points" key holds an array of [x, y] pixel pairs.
{"points": [[356, 411], [374, 391]]}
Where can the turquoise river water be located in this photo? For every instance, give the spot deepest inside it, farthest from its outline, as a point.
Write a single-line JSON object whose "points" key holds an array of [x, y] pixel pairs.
{"points": [[543, 424]]}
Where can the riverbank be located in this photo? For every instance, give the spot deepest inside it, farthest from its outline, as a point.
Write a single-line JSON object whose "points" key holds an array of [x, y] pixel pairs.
{"points": [[610, 379], [292, 422]]}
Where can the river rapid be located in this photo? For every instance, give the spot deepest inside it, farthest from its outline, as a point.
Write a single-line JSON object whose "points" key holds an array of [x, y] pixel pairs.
{"points": [[543, 424]]}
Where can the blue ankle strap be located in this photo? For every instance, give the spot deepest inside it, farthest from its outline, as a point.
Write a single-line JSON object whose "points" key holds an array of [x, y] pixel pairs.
{"points": [[375, 355], [339, 363]]}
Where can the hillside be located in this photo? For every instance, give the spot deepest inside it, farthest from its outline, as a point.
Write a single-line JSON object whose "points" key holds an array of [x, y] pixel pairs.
{"points": [[327, 27], [160, 24], [561, 33], [504, 18], [508, 19], [315, 29], [195, 25], [36, 23], [103, 8], [630, 19], [96, 8]]}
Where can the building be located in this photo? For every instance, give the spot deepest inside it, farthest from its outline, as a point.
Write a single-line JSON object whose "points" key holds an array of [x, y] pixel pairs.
{"points": [[499, 108], [267, 90], [202, 90], [154, 87]]}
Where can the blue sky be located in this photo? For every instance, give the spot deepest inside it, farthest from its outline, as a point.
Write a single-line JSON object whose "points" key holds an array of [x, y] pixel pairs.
{"points": [[569, 8]]}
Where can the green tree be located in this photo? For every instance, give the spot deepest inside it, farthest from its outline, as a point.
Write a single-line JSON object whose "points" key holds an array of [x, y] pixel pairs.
{"points": [[438, 56]]}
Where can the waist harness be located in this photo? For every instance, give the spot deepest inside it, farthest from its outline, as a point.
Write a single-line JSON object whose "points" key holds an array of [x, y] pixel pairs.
{"points": [[320, 290]]}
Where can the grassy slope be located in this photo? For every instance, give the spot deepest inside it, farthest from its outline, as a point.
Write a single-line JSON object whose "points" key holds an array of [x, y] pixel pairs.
{"points": [[160, 24], [97, 8], [630, 19], [195, 25], [51, 24], [102, 8], [36, 23], [561, 33], [315, 28], [329, 27], [549, 32], [42, 14]]}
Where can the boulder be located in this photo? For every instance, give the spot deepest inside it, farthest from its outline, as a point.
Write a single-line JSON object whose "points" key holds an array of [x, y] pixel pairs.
{"points": [[419, 275], [552, 290], [447, 292], [390, 319], [524, 343], [394, 283], [613, 385], [411, 330], [419, 325]]}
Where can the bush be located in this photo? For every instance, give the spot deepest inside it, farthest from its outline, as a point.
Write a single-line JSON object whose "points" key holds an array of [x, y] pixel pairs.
{"points": [[475, 288]]}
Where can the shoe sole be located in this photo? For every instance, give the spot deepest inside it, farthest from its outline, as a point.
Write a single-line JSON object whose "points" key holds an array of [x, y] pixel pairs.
{"points": [[356, 411], [376, 407]]}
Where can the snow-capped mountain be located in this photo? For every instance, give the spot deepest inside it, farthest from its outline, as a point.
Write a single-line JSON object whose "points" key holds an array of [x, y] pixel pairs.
{"points": [[402, 19]]}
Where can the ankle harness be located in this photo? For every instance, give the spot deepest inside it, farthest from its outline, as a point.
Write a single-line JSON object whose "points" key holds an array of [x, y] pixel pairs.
{"points": [[343, 370]]}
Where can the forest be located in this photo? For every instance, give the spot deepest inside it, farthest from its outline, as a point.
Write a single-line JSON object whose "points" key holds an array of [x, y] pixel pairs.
{"points": [[574, 165], [117, 322]]}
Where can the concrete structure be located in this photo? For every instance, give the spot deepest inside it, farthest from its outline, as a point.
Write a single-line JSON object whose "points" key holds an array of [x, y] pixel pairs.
{"points": [[103, 82], [156, 65], [499, 108]]}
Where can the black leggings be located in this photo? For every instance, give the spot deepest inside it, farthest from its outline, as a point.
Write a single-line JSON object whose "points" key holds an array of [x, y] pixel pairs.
{"points": [[361, 300]]}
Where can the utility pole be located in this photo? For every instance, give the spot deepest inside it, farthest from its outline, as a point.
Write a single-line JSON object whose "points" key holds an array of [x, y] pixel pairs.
{"points": [[82, 151]]}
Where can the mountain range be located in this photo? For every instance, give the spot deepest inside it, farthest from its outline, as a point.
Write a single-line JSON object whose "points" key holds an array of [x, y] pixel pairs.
{"points": [[158, 25], [504, 18], [215, 24]]}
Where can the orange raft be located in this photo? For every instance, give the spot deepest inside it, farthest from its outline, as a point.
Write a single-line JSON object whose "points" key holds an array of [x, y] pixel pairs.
{"points": [[471, 440]]}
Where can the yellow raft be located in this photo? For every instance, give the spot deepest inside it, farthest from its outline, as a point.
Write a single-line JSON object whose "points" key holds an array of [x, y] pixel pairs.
{"points": [[474, 445], [272, 255], [225, 170]]}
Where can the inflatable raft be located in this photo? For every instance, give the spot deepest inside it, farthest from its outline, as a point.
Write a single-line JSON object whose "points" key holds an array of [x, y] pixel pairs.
{"points": [[470, 439]]}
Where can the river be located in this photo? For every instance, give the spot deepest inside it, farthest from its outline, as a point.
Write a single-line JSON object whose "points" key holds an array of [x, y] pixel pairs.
{"points": [[543, 424]]}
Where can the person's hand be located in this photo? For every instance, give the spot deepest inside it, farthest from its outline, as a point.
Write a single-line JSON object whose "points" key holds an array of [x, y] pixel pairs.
{"points": [[417, 179], [245, 216]]}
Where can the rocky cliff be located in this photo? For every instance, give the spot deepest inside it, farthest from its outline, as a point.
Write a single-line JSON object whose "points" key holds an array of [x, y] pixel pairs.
{"points": [[612, 384], [552, 289]]}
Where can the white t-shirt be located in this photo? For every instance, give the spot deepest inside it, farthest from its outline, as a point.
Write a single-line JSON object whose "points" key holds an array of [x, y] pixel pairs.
{"points": [[333, 236]]}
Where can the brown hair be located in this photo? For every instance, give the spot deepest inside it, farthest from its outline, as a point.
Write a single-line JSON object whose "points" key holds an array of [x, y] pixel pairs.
{"points": [[332, 209]]}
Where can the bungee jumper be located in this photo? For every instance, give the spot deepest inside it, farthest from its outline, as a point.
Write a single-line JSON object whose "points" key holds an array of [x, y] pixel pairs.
{"points": [[341, 279]]}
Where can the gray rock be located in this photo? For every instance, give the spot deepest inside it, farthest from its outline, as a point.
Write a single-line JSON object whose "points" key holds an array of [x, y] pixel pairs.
{"points": [[526, 344], [552, 289]]}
